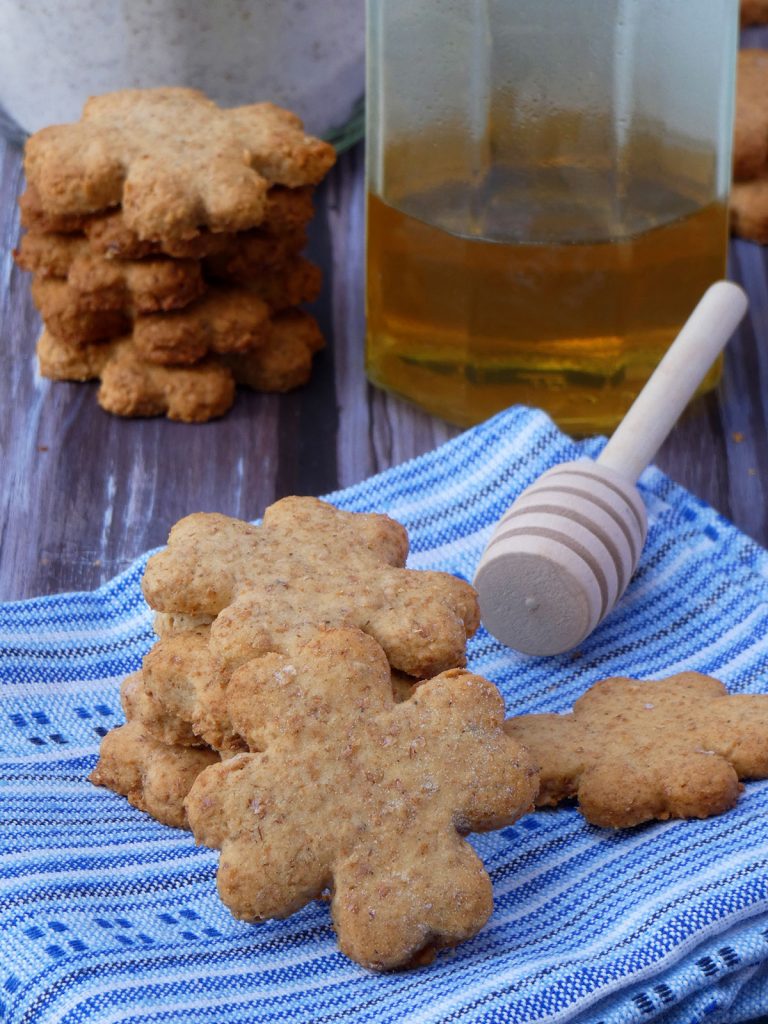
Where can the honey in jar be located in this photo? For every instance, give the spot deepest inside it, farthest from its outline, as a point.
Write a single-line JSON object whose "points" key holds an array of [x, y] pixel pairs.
{"points": [[545, 209]]}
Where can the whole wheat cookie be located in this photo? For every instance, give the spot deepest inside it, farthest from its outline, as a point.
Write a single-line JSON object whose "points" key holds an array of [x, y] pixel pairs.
{"points": [[153, 776], [174, 161], [281, 286], [310, 563], [750, 138], [96, 283], [361, 797], [132, 387], [286, 211], [49, 254], [754, 12], [155, 720], [748, 209], [250, 253], [180, 696], [72, 320], [632, 751], [284, 361], [224, 319]]}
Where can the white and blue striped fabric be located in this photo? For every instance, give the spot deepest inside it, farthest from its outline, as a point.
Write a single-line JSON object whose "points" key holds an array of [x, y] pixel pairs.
{"points": [[107, 916]]}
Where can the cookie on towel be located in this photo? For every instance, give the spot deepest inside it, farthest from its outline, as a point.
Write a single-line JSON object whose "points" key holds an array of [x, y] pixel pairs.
{"points": [[153, 776], [173, 160], [157, 722], [311, 563], [180, 696], [361, 797], [632, 751]]}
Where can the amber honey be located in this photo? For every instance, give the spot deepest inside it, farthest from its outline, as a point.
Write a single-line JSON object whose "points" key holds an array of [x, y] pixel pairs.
{"points": [[467, 325]]}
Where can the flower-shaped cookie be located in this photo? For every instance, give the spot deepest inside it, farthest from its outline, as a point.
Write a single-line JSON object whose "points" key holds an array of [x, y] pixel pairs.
{"points": [[632, 751], [361, 797], [175, 161], [154, 776], [181, 694], [311, 564]]}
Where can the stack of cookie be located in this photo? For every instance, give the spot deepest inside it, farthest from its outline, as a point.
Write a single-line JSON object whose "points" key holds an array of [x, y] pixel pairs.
{"points": [[306, 711], [165, 235], [287, 715]]}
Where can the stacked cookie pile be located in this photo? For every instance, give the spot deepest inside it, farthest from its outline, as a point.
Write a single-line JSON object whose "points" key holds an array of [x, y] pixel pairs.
{"points": [[165, 235], [306, 712], [284, 716]]}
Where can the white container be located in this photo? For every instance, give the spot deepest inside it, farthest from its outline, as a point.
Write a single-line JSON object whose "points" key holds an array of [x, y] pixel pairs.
{"points": [[307, 55]]}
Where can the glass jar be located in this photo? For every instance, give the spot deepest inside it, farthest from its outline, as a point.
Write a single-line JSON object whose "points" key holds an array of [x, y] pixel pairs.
{"points": [[307, 57], [547, 196]]}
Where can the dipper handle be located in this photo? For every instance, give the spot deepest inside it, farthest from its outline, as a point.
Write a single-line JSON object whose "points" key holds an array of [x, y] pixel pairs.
{"points": [[674, 381]]}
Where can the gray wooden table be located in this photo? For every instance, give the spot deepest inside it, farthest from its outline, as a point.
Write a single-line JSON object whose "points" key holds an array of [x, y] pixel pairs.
{"points": [[83, 493]]}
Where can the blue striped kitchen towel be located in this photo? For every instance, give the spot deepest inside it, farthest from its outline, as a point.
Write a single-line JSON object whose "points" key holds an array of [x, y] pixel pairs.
{"points": [[107, 916]]}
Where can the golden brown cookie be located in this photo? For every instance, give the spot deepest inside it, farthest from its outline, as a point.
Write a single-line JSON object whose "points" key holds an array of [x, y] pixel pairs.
{"points": [[49, 254], [225, 319], [632, 751], [174, 161], [250, 253], [132, 387], [34, 218], [749, 209], [153, 776], [361, 797], [185, 682], [180, 696], [284, 361], [156, 721], [754, 12], [97, 283], [750, 139], [281, 286], [70, 319], [310, 563], [287, 212]]}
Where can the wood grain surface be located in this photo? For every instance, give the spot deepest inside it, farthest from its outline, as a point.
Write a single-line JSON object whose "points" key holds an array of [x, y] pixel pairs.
{"points": [[83, 493]]}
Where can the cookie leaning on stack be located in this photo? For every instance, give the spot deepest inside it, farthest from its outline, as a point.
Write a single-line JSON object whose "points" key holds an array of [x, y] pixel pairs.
{"points": [[165, 238]]}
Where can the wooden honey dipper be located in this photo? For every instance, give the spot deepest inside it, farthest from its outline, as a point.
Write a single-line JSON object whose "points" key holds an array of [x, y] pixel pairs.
{"points": [[562, 555]]}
